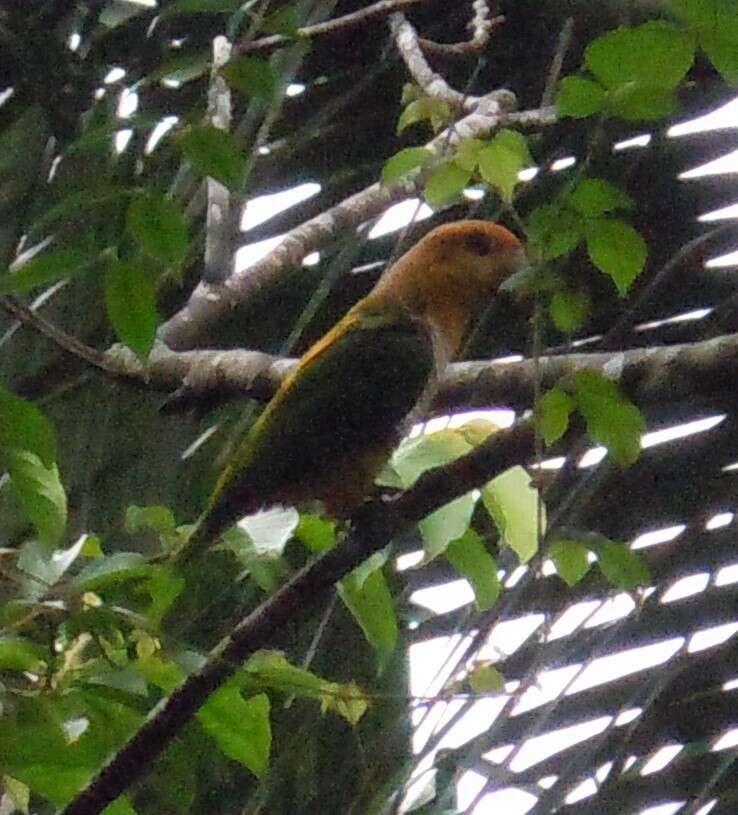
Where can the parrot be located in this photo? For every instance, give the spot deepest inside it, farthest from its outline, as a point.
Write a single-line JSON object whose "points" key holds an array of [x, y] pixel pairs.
{"points": [[335, 419]]}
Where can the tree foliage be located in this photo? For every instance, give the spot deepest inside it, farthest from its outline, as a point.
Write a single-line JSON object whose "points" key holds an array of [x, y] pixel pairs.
{"points": [[132, 136]]}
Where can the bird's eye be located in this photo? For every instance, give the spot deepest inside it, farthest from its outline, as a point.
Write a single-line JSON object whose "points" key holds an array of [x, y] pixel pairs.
{"points": [[479, 243]]}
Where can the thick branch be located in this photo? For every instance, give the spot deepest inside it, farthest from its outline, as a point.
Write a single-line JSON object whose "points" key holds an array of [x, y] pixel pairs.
{"points": [[356, 18], [208, 304], [377, 525], [646, 374]]}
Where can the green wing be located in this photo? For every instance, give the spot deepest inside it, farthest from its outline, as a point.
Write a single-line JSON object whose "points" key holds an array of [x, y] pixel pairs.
{"points": [[347, 396]]}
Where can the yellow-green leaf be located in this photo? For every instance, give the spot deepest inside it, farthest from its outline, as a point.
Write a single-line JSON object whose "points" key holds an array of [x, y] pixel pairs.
{"points": [[158, 226], [502, 159], [579, 97], [40, 493], [570, 558], [612, 420], [130, 299], [469, 556], [552, 414], [404, 162], [513, 504], [569, 310], [616, 249], [240, 727], [215, 153], [370, 602], [446, 184], [485, 678]]}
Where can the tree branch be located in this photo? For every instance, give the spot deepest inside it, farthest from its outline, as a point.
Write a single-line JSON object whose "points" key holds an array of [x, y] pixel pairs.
{"points": [[219, 246], [356, 18], [562, 46], [482, 27], [207, 304], [406, 39], [372, 530]]}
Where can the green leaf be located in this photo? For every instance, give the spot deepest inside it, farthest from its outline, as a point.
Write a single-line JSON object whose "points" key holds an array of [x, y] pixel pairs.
{"points": [[130, 298], [620, 565], [579, 97], [271, 669], [502, 159], [552, 414], [24, 427], [113, 570], [595, 196], [215, 153], [40, 493], [347, 700], [252, 76], [160, 519], [446, 184], [612, 420], [469, 556], [513, 505], [45, 566], [240, 727], [570, 559], [43, 269], [616, 249], [285, 22], [121, 806], [92, 547], [655, 53], [721, 46], [415, 456], [271, 529], [267, 569], [404, 162], [371, 605], [17, 654], [715, 22], [159, 227], [555, 230], [636, 101], [316, 532], [425, 108], [182, 69], [446, 524], [485, 678], [569, 310], [164, 588], [467, 153], [18, 793]]}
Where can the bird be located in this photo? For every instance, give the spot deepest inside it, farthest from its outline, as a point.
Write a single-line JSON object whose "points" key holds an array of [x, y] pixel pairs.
{"points": [[336, 418]]}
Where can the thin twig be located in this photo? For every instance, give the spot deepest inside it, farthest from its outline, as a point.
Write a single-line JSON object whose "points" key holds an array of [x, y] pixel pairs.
{"points": [[482, 27], [557, 63], [338, 25], [60, 338], [219, 248]]}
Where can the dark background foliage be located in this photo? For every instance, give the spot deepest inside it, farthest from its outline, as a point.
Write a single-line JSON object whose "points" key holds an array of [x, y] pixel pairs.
{"points": [[118, 447]]}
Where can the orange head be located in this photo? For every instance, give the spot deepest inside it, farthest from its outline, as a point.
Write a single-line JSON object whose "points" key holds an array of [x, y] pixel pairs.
{"points": [[451, 274]]}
